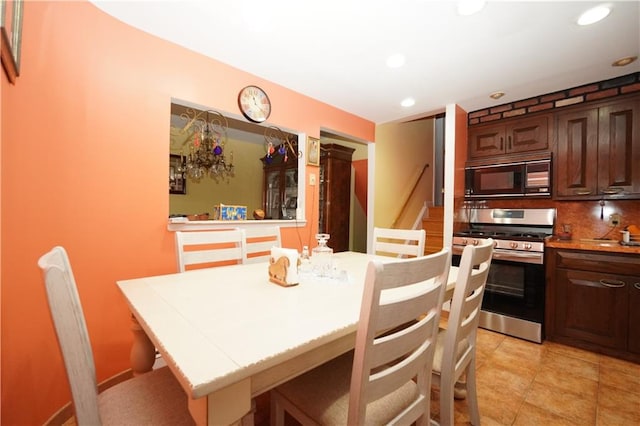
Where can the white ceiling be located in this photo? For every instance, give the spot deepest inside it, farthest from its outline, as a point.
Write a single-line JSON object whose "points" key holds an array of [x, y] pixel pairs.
{"points": [[335, 50]]}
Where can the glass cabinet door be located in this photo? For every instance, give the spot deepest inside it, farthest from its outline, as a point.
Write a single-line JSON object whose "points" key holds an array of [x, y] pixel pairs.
{"points": [[272, 195], [280, 192], [322, 207], [290, 193]]}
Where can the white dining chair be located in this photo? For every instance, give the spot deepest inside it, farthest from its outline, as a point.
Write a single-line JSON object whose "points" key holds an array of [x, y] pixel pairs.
{"points": [[398, 242], [152, 398], [259, 240], [387, 378], [197, 249], [456, 348]]}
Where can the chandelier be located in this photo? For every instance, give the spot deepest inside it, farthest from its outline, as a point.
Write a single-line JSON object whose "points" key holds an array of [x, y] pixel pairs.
{"points": [[277, 143], [206, 154]]}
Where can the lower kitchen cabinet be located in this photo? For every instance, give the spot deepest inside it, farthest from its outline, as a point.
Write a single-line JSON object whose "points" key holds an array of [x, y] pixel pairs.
{"points": [[634, 317], [592, 306], [593, 301]]}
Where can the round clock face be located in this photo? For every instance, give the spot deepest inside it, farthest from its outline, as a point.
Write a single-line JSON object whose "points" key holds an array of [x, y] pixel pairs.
{"points": [[254, 104]]}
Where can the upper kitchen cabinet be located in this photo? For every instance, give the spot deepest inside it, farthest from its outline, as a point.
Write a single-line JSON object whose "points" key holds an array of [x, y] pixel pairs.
{"points": [[509, 137], [598, 147]]}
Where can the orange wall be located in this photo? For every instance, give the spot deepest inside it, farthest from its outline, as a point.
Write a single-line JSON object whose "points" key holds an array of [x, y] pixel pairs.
{"points": [[362, 181], [85, 136]]}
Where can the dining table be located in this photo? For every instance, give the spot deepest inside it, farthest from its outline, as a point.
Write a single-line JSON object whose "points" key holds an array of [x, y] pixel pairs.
{"points": [[228, 334]]}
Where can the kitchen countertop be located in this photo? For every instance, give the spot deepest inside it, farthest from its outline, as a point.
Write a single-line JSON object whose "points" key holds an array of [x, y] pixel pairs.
{"points": [[591, 245]]}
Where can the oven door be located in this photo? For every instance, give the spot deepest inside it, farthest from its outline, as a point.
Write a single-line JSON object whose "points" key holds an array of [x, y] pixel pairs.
{"points": [[514, 298]]}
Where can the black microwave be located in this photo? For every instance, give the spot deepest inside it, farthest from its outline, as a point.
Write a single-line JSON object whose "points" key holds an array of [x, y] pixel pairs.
{"points": [[520, 179]]}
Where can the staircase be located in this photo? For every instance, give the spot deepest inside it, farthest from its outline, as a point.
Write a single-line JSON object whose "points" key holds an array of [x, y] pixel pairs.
{"points": [[433, 225]]}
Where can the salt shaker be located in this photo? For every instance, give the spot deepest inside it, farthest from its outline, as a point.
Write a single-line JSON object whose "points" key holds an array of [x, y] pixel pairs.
{"points": [[305, 261], [321, 256]]}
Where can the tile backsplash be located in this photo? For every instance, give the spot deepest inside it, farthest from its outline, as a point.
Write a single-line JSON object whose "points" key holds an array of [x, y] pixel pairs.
{"points": [[583, 216]]}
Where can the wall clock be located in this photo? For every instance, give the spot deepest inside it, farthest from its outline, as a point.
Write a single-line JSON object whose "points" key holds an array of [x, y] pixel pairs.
{"points": [[254, 104]]}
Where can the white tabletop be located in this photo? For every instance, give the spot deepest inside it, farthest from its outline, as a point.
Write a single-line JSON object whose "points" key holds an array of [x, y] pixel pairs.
{"points": [[219, 326]]}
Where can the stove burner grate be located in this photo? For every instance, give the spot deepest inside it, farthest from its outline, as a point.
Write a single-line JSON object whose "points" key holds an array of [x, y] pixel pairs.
{"points": [[514, 235]]}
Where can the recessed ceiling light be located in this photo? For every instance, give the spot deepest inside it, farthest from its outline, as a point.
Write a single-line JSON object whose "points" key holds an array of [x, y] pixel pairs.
{"points": [[496, 95], [594, 15], [408, 102], [469, 7], [396, 60], [624, 61]]}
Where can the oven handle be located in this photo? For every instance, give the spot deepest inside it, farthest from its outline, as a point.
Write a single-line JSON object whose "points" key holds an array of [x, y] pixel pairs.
{"points": [[518, 256]]}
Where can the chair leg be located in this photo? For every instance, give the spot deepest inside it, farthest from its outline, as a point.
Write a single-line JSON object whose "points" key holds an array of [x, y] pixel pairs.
{"points": [[446, 403], [472, 394], [460, 388], [277, 411]]}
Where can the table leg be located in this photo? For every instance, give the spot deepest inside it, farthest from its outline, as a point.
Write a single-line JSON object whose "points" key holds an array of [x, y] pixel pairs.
{"points": [[143, 352], [228, 406]]}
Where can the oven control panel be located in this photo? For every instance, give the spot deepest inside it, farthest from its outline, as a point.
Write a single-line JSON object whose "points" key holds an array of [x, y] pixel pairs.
{"points": [[536, 246]]}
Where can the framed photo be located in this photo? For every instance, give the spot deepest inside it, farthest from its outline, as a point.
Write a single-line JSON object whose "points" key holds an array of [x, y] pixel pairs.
{"points": [[10, 36], [177, 178], [313, 151]]}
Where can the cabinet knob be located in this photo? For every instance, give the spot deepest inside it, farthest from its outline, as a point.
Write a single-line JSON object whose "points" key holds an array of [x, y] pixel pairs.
{"points": [[501, 143], [636, 286]]}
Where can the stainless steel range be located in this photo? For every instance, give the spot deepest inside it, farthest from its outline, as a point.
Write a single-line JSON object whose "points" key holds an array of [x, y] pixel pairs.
{"points": [[513, 301]]}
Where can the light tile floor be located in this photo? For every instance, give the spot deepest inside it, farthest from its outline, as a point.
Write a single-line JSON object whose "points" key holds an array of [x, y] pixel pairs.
{"points": [[525, 383]]}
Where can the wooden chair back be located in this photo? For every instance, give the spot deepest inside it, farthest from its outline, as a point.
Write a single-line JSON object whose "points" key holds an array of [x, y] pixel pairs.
{"points": [[397, 333], [152, 398], [259, 240], [197, 249], [71, 331], [457, 351], [399, 242]]}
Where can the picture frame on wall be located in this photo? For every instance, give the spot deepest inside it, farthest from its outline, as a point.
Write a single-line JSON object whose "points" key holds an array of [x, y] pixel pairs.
{"points": [[177, 178], [313, 151], [10, 37]]}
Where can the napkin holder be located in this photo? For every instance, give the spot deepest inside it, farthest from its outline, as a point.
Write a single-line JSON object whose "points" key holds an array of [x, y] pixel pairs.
{"points": [[283, 266]]}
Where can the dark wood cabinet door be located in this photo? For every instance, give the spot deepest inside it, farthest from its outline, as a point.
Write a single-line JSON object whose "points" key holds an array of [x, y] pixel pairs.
{"points": [[510, 137], [527, 135], [592, 306], [575, 163], [335, 205], [486, 141], [619, 148], [634, 316]]}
